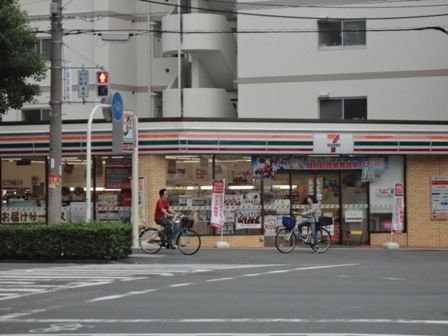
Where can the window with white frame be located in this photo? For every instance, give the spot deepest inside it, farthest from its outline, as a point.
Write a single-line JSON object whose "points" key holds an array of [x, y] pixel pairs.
{"points": [[43, 47], [36, 114], [343, 108], [341, 32]]}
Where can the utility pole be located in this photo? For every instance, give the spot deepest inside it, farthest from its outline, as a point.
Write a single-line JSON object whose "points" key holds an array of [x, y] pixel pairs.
{"points": [[55, 170]]}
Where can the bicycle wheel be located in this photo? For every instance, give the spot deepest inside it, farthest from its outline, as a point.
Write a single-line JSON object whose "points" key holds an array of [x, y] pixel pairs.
{"points": [[150, 241], [324, 238], [285, 241], [188, 242]]}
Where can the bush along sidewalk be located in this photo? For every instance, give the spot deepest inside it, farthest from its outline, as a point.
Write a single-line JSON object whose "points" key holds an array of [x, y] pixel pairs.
{"points": [[98, 240]]}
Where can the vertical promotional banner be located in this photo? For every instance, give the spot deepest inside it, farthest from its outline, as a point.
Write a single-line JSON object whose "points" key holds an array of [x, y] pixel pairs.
{"points": [[398, 209], [217, 218]]}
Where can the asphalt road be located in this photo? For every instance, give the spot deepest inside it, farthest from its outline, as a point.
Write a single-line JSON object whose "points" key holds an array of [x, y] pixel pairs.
{"points": [[231, 292]]}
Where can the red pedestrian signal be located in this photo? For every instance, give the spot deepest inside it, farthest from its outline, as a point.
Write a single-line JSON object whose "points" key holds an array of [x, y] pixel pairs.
{"points": [[102, 83], [102, 77]]}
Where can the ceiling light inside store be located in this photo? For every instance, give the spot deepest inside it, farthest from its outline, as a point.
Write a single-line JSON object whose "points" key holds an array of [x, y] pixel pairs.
{"points": [[283, 186], [241, 187], [97, 189], [206, 187]]}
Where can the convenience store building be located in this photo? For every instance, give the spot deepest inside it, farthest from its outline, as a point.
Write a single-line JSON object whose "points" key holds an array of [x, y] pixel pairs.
{"points": [[354, 175]]}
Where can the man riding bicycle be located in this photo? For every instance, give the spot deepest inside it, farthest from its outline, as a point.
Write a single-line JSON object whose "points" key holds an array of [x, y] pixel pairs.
{"points": [[162, 216]]}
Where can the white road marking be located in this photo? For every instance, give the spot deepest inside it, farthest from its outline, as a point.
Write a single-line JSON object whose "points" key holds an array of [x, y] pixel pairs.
{"points": [[227, 320], [119, 296], [219, 279], [323, 266], [252, 275], [181, 284], [392, 278], [27, 290], [55, 278], [17, 315], [278, 271], [16, 282], [214, 334]]}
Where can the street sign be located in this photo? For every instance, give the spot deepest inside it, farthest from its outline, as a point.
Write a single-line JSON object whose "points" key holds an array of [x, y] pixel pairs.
{"points": [[117, 106], [83, 83], [128, 131], [67, 80]]}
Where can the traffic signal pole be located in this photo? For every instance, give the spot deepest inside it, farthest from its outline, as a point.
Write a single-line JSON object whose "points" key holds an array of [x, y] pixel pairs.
{"points": [[55, 171]]}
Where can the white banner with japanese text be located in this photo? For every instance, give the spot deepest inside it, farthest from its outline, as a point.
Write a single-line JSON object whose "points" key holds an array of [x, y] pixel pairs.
{"points": [[217, 217]]}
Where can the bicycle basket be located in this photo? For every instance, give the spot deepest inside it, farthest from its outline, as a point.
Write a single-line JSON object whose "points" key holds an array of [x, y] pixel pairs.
{"points": [[186, 222], [325, 221], [288, 222]]}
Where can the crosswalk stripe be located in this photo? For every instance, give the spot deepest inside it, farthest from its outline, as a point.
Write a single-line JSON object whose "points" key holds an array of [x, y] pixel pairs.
{"points": [[22, 282]]}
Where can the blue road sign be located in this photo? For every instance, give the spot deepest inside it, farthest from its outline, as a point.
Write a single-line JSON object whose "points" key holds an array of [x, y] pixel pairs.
{"points": [[117, 106]]}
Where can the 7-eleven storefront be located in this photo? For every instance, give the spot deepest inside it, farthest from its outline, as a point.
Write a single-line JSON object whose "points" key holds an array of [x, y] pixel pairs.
{"points": [[268, 171]]}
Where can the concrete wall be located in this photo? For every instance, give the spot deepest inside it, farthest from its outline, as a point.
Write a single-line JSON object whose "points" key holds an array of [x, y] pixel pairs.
{"points": [[403, 74]]}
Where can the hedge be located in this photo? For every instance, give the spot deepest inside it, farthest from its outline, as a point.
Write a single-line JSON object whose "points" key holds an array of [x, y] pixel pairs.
{"points": [[99, 240]]}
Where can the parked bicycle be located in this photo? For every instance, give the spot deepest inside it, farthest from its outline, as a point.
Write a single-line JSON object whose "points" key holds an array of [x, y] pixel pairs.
{"points": [[184, 237], [287, 237]]}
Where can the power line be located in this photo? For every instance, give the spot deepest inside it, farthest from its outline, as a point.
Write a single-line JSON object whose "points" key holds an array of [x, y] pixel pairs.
{"points": [[134, 32], [222, 11], [371, 5]]}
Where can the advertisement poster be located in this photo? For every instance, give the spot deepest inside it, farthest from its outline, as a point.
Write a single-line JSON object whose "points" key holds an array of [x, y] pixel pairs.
{"points": [[398, 209], [266, 166], [248, 219], [353, 215], [439, 197], [271, 222], [118, 178], [217, 216]]}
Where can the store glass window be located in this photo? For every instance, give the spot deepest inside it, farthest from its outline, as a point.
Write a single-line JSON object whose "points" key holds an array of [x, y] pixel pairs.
{"points": [[242, 198], [382, 194], [110, 188], [23, 190], [73, 188], [189, 185], [113, 196], [276, 193]]}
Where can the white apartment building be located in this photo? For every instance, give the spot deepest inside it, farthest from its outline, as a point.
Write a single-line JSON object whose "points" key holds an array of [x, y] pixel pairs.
{"points": [[342, 99]]}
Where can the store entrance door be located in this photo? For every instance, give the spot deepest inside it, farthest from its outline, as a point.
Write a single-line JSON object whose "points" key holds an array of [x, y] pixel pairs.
{"points": [[355, 208], [325, 186], [342, 196]]}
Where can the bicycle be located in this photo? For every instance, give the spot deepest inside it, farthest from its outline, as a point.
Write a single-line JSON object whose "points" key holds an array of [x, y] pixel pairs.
{"points": [[187, 240], [287, 238]]}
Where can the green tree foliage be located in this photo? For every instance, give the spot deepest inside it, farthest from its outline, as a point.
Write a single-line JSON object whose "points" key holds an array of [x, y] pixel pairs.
{"points": [[19, 61]]}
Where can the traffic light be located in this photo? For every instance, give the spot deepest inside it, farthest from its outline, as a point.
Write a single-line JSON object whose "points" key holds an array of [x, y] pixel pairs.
{"points": [[102, 83]]}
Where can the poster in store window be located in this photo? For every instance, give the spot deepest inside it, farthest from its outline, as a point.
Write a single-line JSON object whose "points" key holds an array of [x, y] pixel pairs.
{"points": [[439, 197], [248, 219], [118, 178], [271, 222]]}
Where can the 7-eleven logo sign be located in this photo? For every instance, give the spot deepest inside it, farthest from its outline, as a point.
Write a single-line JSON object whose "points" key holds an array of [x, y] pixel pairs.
{"points": [[333, 142]]}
